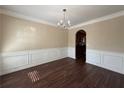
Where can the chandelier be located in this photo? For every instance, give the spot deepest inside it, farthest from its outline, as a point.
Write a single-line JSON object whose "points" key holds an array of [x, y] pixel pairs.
{"points": [[64, 22]]}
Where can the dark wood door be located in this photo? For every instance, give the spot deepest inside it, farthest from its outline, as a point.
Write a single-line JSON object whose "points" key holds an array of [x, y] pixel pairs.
{"points": [[81, 45]]}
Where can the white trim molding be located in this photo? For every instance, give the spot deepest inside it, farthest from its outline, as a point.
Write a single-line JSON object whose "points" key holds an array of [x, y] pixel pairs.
{"points": [[14, 61], [107, 17], [18, 15]]}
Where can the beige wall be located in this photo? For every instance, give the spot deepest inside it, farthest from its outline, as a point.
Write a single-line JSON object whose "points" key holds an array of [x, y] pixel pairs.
{"points": [[106, 35], [0, 30], [19, 34]]}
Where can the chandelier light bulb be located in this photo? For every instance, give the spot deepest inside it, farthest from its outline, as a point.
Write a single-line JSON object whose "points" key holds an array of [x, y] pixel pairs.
{"points": [[58, 24], [61, 21], [68, 21]]}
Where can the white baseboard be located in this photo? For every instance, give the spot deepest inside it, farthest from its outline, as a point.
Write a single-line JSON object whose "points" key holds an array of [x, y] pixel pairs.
{"points": [[14, 61]]}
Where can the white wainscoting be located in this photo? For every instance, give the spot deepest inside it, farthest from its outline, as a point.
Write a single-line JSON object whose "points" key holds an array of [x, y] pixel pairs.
{"points": [[14, 61], [0, 65], [108, 60], [93, 57], [71, 52]]}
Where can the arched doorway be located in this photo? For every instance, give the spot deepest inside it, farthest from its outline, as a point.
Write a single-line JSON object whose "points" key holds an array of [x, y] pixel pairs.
{"points": [[81, 45]]}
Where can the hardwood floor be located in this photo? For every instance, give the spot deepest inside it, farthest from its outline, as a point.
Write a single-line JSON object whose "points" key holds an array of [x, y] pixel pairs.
{"points": [[63, 73]]}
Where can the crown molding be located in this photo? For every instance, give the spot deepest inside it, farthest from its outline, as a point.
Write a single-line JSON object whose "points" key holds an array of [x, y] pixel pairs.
{"points": [[111, 16], [18, 15]]}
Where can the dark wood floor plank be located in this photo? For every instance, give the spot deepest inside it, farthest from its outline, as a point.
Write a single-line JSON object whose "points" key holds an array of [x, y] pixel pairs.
{"points": [[63, 73]]}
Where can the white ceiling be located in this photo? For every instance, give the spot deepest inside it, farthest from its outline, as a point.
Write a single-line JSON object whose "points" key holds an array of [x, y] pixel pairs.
{"points": [[52, 13]]}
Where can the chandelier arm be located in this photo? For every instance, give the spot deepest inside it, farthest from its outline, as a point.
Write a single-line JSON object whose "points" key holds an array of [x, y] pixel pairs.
{"points": [[64, 18]]}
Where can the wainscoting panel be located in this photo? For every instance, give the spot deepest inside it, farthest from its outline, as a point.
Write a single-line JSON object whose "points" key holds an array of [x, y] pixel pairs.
{"points": [[108, 60], [0, 64], [38, 56], [71, 52], [123, 65], [113, 62], [11, 62], [14, 61], [47, 55], [93, 57]]}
